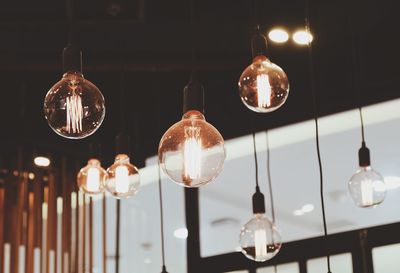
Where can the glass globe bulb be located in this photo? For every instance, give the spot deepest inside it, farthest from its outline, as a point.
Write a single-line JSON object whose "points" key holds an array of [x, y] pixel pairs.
{"points": [[263, 86], [260, 240], [91, 178], [367, 187], [123, 179], [74, 107], [192, 152]]}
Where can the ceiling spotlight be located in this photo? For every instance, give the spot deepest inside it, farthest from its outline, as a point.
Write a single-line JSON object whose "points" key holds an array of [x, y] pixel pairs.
{"points": [[302, 37], [41, 161], [298, 212], [181, 233], [307, 208], [278, 35]]}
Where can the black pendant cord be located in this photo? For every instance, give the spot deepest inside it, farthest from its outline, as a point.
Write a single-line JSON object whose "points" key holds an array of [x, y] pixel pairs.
{"points": [[70, 20], [362, 125], [255, 161], [314, 99], [161, 219], [271, 196]]}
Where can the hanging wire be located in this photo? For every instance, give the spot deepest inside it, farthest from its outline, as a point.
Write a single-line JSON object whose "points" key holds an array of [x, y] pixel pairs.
{"points": [[255, 159], [355, 76], [161, 217], [271, 197], [314, 99], [70, 20]]}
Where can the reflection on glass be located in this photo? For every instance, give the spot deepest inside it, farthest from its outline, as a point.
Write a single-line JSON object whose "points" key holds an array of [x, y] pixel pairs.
{"points": [[386, 258], [339, 263], [282, 268]]}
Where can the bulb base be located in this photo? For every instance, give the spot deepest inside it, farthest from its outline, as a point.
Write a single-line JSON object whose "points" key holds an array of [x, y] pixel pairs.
{"points": [[164, 270], [122, 142], [258, 202], [364, 157], [72, 58], [193, 95], [258, 44]]}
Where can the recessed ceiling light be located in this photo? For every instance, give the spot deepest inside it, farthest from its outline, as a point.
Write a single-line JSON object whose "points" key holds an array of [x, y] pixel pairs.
{"points": [[278, 35], [392, 182], [298, 212], [302, 37], [307, 208], [181, 233], [41, 161]]}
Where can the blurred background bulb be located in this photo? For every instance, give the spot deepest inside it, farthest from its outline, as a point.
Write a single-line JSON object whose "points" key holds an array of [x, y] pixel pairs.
{"points": [[123, 179], [259, 239], [367, 187], [74, 107], [192, 151], [92, 177], [263, 86]]}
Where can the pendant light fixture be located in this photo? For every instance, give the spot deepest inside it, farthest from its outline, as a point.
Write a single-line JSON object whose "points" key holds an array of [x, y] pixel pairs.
{"points": [[164, 269], [367, 187], [74, 107], [123, 179], [192, 151], [263, 85], [317, 145], [259, 240], [91, 178]]}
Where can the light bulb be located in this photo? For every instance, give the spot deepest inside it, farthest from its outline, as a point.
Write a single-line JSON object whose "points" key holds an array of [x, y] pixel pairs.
{"points": [[367, 187], [259, 239], [123, 179], [263, 86], [192, 152], [91, 178], [74, 107]]}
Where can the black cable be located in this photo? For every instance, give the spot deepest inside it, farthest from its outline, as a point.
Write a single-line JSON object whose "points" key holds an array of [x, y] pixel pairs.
{"points": [[314, 99], [161, 217], [271, 196], [255, 159], [70, 20], [362, 124]]}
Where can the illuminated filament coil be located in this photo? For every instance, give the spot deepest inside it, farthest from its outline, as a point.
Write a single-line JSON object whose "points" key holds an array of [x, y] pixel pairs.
{"points": [[192, 153], [74, 113], [263, 91]]}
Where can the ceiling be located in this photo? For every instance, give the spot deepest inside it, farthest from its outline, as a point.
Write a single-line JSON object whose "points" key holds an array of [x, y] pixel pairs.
{"points": [[147, 43]]}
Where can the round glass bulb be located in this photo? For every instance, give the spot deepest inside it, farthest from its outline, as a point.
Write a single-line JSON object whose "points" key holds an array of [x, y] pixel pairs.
{"points": [[74, 107], [91, 178], [263, 86], [123, 179], [192, 151], [260, 240], [367, 187]]}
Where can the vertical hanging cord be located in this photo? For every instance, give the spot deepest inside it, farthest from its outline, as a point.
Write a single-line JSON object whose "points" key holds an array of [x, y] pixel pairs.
{"points": [[161, 217], [192, 33], [355, 77], [70, 20], [271, 196], [255, 160], [314, 98]]}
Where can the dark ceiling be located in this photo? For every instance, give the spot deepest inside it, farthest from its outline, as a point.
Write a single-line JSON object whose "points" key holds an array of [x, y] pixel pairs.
{"points": [[147, 43]]}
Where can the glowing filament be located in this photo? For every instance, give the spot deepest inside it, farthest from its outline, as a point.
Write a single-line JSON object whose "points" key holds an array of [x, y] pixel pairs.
{"points": [[367, 193], [260, 243], [263, 91], [192, 153], [93, 180], [121, 179], [74, 113]]}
